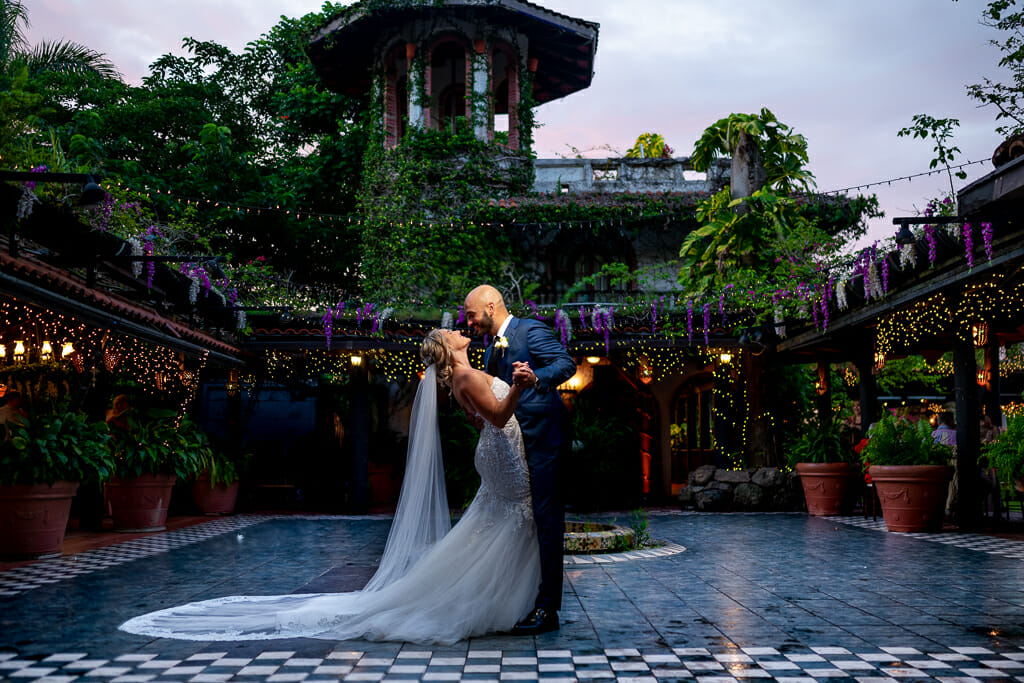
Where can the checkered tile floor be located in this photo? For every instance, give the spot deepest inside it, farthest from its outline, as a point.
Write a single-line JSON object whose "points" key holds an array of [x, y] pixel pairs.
{"points": [[34, 575], [979, 542], [808, 665]]}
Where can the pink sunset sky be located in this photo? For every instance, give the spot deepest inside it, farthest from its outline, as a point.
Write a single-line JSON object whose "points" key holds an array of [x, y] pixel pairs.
{"points": [[846, 74]]}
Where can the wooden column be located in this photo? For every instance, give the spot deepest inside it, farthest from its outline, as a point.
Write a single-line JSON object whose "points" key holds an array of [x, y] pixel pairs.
{"points": [[965, 389], [867, 389], [992, 407], [823, 394]]}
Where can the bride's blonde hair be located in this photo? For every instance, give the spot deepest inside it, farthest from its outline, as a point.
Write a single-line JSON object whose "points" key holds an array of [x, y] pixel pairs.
{"points": [[435, 351]]}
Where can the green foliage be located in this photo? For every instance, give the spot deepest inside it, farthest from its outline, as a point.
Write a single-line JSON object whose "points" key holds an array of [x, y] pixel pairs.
{"points": [[1006, 17], [784, 152], [772, 250], [1006, 453], [417, 243], [940, 130], [156, 443], [897, 441], [649, 146], [53, 445], [46, 56], [818, 443], [912, 370]]}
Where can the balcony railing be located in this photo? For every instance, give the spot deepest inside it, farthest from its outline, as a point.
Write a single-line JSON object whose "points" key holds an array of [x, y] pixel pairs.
{"points": [[627, 175]]}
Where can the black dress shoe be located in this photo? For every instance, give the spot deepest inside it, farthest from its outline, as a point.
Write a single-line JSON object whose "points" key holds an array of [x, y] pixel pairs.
{"points": [[539, 620]]}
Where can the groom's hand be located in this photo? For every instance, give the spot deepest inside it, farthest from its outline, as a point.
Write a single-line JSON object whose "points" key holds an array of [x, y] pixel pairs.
{"points": [[522, 375]]}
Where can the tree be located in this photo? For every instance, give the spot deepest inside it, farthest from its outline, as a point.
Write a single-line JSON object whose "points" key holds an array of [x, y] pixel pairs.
{"points": [[1008, 98], [46, 56], [248, 146]]}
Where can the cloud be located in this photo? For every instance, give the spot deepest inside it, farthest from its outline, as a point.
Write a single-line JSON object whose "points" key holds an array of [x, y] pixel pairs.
{"points": [[847, 75]]}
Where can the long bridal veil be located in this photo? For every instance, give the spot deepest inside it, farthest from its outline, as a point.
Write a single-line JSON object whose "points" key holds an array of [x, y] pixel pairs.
{"points": [[421, 518]]}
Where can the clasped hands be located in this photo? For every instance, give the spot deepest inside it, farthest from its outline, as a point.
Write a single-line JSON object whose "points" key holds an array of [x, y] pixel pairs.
{"points": [[523, 375]]}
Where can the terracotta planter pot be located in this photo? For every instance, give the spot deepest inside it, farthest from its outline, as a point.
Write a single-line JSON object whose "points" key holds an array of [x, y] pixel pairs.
{"points": [[33, 518], [140, 504], [824, 486], [214, 500], [913, 497]]}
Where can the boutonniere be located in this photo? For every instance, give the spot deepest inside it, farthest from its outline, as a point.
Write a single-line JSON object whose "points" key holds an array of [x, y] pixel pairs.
{"points": [[501, 343]]}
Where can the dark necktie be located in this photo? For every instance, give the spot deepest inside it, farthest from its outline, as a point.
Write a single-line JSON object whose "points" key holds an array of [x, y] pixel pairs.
{"points": [[492, 360]]}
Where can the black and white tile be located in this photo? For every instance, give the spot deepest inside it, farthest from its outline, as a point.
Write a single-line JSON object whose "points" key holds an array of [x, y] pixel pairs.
{"points": [[980, 542], [700, 665]]}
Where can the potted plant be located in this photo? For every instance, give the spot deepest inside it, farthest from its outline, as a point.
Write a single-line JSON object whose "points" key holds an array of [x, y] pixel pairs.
{"points": [[1006, 453], [215, 490], [822, 458], [910, 472], [42, 462], [151, 453]]}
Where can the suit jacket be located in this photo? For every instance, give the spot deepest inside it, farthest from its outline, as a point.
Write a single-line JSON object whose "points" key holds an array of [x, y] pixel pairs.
{"points": [[540, 411]]}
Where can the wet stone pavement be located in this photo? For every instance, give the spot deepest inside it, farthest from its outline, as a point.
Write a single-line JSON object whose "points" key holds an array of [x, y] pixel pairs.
{"points": [[752, 596]]}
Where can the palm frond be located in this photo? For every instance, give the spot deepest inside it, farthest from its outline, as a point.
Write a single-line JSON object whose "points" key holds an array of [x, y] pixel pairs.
{"points": [[13, 21], [66, 57]]}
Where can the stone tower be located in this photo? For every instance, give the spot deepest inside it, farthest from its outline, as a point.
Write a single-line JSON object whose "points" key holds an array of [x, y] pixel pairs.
{"points": [[427, 63]]}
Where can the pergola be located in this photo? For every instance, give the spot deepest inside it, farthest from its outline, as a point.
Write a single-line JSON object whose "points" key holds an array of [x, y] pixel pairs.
{"points": [[965, 293]]}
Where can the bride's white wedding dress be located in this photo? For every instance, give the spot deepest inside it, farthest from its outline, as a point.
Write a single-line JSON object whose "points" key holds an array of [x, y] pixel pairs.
{"points": [[481, 577]]}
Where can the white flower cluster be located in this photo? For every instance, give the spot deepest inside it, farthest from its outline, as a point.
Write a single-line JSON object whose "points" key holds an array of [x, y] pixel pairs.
{"points": [[875, 289], [240, 321], [193, 290], [136, 246], [908, 255], [841, 294], [28, 198]]}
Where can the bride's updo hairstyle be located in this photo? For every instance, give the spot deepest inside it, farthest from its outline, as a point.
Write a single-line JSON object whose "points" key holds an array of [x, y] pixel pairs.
{"points": [[435, 351]]}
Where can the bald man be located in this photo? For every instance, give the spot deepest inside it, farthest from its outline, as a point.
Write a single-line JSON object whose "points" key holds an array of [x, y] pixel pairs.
{"points": [[531, 356]]}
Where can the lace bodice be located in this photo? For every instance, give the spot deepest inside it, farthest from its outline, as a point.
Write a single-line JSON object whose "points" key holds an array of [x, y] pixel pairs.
{"points": [[501, 461]]}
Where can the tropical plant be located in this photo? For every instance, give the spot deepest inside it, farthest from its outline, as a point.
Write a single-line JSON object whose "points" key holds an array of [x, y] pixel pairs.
{"points": [[1006, 453], [898, 441], [784, 153], [649, 146], [55, 445], [154, 443], [828, 443]]}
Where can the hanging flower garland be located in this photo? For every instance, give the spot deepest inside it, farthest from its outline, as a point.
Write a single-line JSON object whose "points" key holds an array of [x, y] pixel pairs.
{"points": [[707, 323], [564, 327], [968, 236], [929, 237], [986, 235]]}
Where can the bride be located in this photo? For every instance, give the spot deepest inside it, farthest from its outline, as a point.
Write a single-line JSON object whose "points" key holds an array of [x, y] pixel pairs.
{"points": [[434, 585]]}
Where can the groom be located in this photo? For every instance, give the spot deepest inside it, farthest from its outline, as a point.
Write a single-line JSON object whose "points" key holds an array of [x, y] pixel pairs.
{"points": [[526, 351]]}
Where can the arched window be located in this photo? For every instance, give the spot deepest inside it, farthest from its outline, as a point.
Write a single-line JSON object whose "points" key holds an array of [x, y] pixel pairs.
{"points": [[396, 96], [447, 84], [505, 95]]}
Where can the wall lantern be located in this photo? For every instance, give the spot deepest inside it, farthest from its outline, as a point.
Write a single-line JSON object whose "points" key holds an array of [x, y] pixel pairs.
{"points": [[725, 357], [3, 353], [879, 361], [67, 350], [821, 386], [979, 333], [231, 386], [356, 360], [19, 352], [593, 360], [982, 377], [46, 352]]}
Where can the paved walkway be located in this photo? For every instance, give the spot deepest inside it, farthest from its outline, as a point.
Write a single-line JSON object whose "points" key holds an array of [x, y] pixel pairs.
{"points": [[741, 596]]}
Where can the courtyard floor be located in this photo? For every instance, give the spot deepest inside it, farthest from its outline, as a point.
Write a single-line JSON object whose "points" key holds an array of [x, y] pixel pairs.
{"points": [[732, 597]]}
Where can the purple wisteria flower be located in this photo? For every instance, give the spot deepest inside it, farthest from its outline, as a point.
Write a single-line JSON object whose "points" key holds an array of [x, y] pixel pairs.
{"points": [[462, 315], [328, 323], [929, 237], [707, 323], [987, 234], [885, 274], [689, 320], [968, 235]]}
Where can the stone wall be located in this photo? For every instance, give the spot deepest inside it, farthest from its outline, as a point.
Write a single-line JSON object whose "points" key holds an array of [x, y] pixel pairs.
{"points": [[765, 488]]}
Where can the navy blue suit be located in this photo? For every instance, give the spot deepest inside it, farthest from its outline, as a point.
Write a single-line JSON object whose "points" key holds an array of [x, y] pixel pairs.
{"points": [[542, 419]]}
